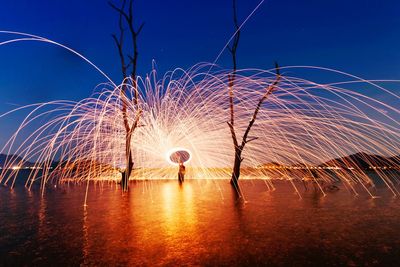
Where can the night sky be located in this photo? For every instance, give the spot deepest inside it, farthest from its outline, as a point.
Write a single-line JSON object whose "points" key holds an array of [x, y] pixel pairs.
{"points": [[359, 36]]}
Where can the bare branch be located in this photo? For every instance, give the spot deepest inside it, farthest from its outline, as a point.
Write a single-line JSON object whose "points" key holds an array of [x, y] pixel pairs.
{"points": [[119, 41], [131, 11], [231, 78], [251, 139], [136, 122], [140, 29], [128, 16], [235, 42], [269, 90], [120, 10]]}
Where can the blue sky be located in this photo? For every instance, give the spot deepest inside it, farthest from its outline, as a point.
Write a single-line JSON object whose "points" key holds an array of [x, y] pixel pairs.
{"points": [[361, 37]]}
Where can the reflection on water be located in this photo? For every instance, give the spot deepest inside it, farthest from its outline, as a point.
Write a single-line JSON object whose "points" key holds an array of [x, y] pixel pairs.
{"points": [[197, 223]]}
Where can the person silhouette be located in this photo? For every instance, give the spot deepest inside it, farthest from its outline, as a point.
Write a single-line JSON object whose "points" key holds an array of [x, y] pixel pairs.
{"points": [[181, 172]]}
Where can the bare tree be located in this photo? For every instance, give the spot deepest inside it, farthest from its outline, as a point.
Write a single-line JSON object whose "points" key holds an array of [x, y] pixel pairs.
{"points": [[239, 146], [128, 67]]}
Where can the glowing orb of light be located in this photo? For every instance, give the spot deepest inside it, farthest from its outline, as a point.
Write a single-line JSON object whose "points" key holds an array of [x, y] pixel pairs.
{"points": [[178, 154]]}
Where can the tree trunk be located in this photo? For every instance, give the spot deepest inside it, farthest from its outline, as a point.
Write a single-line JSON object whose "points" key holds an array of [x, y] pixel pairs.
{"points": [[236, 167], [129, 164], [126, 17], [231, 82], [125, 175]]}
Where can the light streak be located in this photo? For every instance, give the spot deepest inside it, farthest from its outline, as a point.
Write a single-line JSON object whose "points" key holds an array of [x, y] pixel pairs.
{"points": [[301, 125]]}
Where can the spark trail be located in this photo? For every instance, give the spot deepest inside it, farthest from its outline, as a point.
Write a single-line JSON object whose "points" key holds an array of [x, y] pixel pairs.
{"points": [[302, 125]]}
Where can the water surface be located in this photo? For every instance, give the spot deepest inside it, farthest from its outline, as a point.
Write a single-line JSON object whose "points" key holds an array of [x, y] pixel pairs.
{"points": [[201, 222]]}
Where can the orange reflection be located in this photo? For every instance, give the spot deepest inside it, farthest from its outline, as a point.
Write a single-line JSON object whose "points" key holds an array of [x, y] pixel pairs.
{"points": [[178, 209]]}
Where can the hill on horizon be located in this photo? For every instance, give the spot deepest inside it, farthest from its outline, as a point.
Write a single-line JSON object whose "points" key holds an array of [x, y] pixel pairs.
{"points": [[363, 160], [17, 160]]}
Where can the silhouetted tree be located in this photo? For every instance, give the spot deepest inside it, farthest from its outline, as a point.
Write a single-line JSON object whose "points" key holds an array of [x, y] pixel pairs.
{"points": [[239, 145], [128, 69]]}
